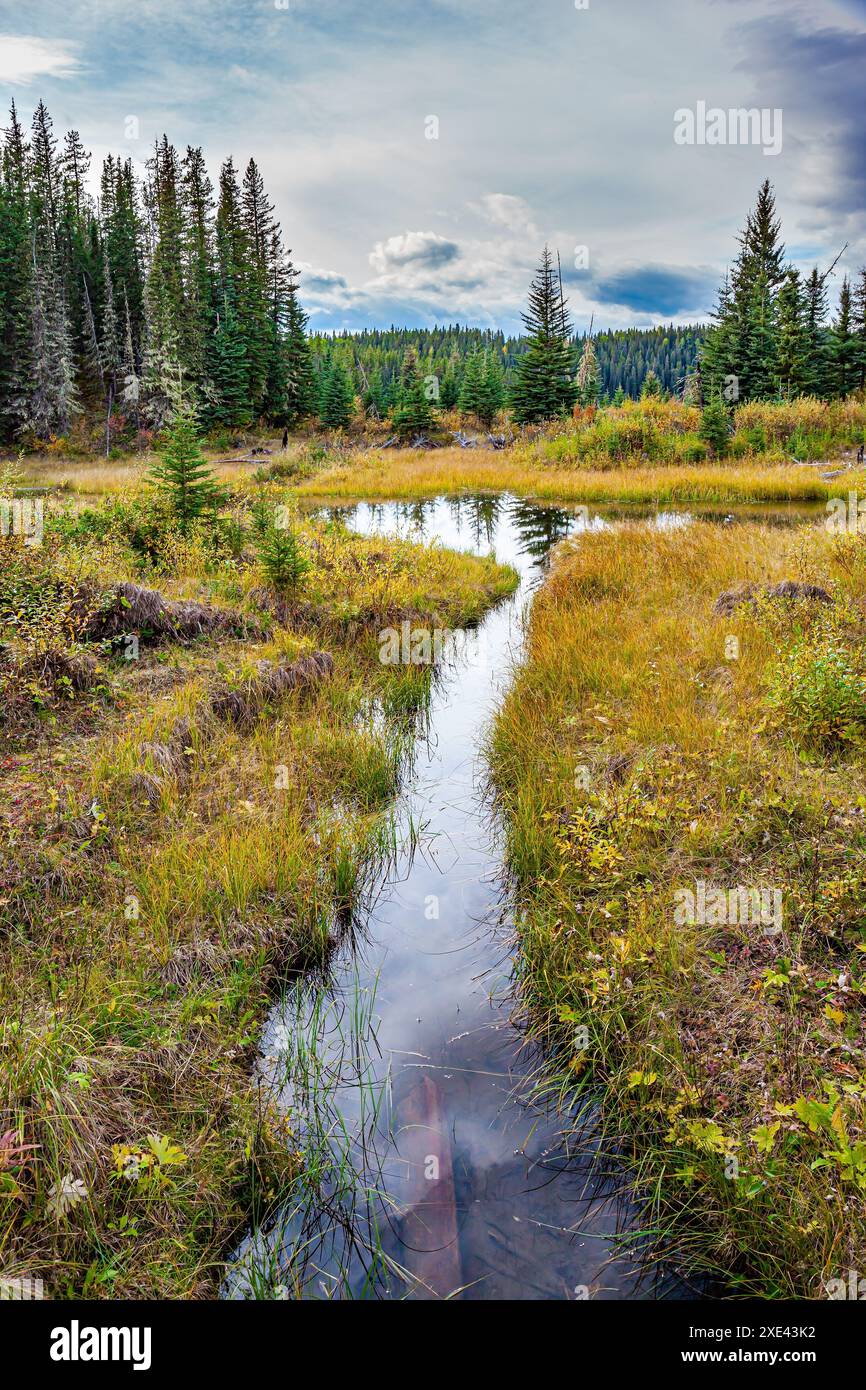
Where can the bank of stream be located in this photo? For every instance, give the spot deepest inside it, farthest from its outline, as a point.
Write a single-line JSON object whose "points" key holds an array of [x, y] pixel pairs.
{"points": [[433, 1166]]}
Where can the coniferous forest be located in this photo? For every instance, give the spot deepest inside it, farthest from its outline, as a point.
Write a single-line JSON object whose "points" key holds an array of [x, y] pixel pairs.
{"points": [[115, 309]]}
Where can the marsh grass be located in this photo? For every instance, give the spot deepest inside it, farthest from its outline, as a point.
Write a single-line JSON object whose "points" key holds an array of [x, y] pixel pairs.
{"points": [[406, 474], [634, 758], [164, 874], [327, 1238]]}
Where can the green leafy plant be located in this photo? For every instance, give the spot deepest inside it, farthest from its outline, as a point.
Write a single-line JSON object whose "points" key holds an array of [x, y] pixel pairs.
{"points": [[819, 690]]}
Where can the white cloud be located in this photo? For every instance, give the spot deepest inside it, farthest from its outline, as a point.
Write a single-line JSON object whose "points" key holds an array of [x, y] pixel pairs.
{"points": [[412, 248], [24, 57], [505, 210]]}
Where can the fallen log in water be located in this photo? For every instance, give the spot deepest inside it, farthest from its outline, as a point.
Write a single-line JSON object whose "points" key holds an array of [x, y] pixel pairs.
{"points": [[428, 1228]]}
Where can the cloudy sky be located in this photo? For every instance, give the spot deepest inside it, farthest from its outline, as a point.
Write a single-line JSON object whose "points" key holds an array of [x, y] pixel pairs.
{"points": [[420, 152]]}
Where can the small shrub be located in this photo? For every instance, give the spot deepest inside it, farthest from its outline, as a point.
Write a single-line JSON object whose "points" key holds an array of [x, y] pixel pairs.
{"points": [[819, 691], [282, 559], [715, 428]]}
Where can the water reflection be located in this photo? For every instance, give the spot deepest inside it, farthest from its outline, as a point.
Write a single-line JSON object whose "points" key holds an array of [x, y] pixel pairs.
{"points": [[428, 1174]]}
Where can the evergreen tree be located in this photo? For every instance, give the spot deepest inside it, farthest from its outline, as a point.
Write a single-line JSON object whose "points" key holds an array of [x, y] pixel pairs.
{"points": [[492, 390], [450, 389], [483, 391], [16, 283], [256, 215], [763, 271], [131, 382], [282, 559], [652, 387], [199, 269], [146, 296], [123, 232], [844, 354], [859, 325], [52, 397], [411, 415], [167, 356], [471, 389], [793, 344], [335, 407], [110, 346], [300, 375], [227, 365], [544, 388], [184, 474], [740, 352], [817, 341], [715, 427]]}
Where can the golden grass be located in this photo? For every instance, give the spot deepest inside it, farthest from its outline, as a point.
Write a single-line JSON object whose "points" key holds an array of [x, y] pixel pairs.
{"points": [[92, 478], [633, 758], [148, 912], [400, 474]]}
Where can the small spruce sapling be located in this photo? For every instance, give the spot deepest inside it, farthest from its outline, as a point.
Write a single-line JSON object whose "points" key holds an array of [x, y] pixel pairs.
{"points": [[184, 475]]}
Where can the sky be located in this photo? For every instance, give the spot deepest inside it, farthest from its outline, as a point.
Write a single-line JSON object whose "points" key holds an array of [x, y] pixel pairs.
{"points": [[421, 152]]}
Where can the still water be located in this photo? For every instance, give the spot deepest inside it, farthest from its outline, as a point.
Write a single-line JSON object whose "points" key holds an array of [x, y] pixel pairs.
{"points": [[438, 1174]]}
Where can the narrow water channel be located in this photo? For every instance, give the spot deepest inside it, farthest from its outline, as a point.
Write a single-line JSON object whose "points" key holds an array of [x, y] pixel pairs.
{"points": [[438, 1177]]}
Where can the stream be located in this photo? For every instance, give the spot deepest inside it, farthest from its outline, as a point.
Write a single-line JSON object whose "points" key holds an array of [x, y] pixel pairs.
{"points": [[443, 1170]]}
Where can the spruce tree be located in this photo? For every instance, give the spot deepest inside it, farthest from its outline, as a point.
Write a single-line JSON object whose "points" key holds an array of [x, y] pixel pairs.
{"points": [[184, 475], [300, 375], [199, 266], [763, 273], [16, 282], [793, 344], [335, 408], [492, 389], [53, 398], [282, 559], [411, 415], [483, 391], [859, 325], [844, 355], [817, 337], [256, 213], [652, 387], [740, 354], [450, 388], [471, 390], [544, 388], [716, 426], [227, 368]]}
